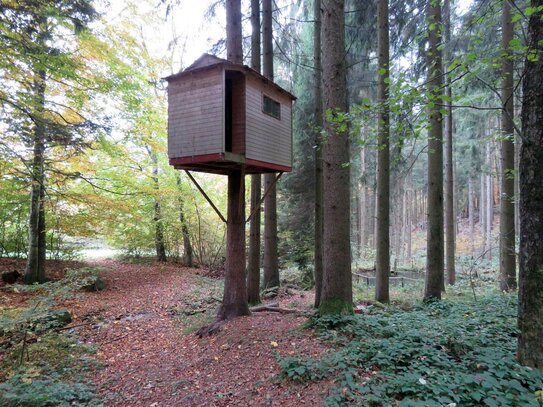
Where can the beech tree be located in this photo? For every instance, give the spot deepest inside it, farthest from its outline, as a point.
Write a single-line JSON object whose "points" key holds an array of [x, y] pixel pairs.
{"points": [[530, 343], [336, 296]]}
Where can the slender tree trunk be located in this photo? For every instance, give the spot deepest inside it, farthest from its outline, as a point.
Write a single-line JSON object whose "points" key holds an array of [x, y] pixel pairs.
{"points": [[336, 297], [434, 266], [362, 212], [160, 247], [530, 343], [253, 266], [471, 216], [319, 179], [271, 261], [382, 229], [35, 266], [235, 286], [42, 241], [450, 230], [482, 211], [489, 204], [508, 275], [188, 255]]}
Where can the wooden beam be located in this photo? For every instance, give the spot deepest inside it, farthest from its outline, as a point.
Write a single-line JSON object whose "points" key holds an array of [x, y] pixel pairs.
{"points": [[206, 197]]}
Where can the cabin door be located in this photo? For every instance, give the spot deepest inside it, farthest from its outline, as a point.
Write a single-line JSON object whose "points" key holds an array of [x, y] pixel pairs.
{"points": [[234, 110]]}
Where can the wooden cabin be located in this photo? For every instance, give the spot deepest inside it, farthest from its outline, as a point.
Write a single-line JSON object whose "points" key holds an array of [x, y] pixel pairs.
{"points": [[222, 116]]}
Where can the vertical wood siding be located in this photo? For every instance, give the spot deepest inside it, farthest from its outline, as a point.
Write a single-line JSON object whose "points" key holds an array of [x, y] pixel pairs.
{"points": [[267, 138], [196, 114]]}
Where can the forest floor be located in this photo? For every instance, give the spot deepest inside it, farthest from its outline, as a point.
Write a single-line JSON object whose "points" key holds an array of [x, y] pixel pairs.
{"points": [[142, 326]]}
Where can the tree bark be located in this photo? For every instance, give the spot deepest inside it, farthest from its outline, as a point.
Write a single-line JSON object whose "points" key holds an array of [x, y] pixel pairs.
{"points": [[530, 343], [489, 205], [382, 257], [471, 216], [508, 275], [336, 295], [160, 246], [434, 265], [450, 229], [319, 179], [271, 260], [234, 302], [253, 264], [35, 265]]}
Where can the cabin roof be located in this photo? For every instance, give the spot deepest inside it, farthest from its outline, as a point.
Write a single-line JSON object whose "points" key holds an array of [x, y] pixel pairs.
{"points": [[208, 61]]}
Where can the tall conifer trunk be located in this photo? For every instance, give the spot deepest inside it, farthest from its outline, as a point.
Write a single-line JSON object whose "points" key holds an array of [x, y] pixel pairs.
{"points": [[450, 229], [530, 341], [235, 286], [434, 264], [382, 264], [271, 261], [508, 277], [336, 297], [253, 264], [319, 180]]}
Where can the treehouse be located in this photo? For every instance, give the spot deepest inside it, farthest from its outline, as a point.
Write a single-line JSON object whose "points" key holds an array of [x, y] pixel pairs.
{"points": [[224, 116]]}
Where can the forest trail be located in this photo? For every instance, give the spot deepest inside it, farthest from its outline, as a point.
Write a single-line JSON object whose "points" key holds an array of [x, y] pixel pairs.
{"points": [[148, 359]]}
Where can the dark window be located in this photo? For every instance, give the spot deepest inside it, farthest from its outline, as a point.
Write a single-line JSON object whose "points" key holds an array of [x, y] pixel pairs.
{"points": [[271, 107]]}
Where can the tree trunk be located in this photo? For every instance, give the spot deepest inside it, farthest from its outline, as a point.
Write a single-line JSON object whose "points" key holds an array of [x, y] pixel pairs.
{"points": [[450, 230], [253, 264], [530, 343], [434, 266], [271, 261], [471, 216], [508, 275], [160, 247], [235, 286], [35, 267], [319, 180], [382, 257], [235, 289], [336, 295], [489, 205], [188, 255]]}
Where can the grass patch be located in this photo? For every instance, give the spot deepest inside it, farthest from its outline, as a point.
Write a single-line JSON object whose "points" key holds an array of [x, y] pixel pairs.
{"points": [[42, 365], [198, 307], [454, 351]]}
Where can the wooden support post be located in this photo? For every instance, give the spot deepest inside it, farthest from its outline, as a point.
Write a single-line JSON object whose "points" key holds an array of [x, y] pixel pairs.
{"points": [[234, 302]]}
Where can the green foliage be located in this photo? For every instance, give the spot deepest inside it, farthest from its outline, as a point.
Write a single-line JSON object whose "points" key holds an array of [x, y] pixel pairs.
{"points": [[52, 374], [435, 354], [42, 364]]}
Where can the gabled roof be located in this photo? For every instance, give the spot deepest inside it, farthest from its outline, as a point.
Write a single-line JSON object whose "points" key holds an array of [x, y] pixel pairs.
{"points": [[208, 61]]}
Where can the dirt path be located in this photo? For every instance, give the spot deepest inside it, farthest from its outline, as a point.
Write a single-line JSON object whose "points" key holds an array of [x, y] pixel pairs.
{"points": [[148, 360]]}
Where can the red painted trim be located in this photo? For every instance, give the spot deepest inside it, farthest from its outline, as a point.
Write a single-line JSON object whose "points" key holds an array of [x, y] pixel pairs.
{"points": [[196, 159], [263, 164]]}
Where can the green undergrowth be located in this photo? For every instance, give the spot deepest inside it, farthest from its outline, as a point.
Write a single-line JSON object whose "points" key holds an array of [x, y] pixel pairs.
{"points": [[42, 363], [450, 353], [198, 306]]}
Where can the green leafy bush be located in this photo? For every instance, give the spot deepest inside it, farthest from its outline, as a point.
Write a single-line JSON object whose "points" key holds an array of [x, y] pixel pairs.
{"points": [[443, 353]]}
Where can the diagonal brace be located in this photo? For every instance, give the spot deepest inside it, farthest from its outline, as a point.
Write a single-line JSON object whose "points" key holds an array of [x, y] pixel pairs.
{"points": [[257, 207], [208, 199]]}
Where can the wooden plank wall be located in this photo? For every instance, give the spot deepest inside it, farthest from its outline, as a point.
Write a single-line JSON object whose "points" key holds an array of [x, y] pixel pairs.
{"points": [[267, 138], [196, 114], [238, 112]]}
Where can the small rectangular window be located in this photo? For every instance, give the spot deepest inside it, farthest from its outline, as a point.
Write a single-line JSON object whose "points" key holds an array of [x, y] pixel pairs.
{"points": [[271, 107]]}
